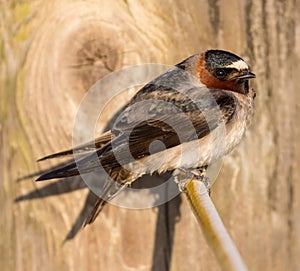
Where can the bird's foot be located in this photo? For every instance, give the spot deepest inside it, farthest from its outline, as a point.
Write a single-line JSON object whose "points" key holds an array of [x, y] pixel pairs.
{"points": [[182, 176]]}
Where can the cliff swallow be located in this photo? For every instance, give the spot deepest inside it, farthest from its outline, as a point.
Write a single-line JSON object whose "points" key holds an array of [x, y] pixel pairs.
{"points": [[181, 108]]}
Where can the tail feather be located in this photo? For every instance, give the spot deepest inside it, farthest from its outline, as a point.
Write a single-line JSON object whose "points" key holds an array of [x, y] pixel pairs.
{"points": [[110, 190], [88, 160], [95, 212]]}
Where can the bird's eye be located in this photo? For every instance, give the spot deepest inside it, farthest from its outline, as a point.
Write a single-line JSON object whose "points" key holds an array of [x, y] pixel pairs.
{"points": [[220, 72]]}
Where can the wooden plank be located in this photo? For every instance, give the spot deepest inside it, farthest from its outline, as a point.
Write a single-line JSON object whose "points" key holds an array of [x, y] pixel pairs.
{"points": [[53, 51]]}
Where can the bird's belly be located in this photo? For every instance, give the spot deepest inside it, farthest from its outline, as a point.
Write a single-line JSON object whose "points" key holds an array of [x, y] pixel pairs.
{"points": [[194, 154]]}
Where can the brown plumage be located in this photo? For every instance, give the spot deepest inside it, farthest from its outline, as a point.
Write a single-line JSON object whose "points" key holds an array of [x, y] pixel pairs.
{"points": [[184, 106]]}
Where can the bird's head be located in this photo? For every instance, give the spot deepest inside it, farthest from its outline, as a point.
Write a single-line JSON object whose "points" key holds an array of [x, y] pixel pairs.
{"points": [[224, 70]]}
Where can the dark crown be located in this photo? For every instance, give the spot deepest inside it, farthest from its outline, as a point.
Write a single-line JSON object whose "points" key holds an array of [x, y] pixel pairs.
{"points": [[219, 59]]}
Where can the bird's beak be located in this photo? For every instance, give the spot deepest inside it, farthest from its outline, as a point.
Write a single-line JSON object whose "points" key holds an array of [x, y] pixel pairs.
{"points": [[247, 75]]}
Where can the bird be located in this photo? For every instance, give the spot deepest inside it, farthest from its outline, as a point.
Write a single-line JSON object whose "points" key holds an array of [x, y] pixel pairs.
{"points": [[199, 110]]}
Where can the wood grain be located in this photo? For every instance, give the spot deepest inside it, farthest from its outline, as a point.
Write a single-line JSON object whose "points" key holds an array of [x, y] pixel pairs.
{"points": [[53, 51]]}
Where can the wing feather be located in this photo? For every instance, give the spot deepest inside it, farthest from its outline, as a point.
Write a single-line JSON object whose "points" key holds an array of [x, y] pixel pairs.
{"points": [[82, 149], [170, 121]]}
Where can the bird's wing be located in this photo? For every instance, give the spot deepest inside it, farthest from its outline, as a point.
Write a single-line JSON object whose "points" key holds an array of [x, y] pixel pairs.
{"points": [[82, 149], [171, 118]]}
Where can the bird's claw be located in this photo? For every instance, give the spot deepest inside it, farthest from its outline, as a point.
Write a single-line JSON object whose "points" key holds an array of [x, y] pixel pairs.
{"points": [[182, 176]]}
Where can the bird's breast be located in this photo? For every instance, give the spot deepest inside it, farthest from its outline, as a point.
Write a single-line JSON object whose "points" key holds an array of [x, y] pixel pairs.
{"points": [[241, 121]]}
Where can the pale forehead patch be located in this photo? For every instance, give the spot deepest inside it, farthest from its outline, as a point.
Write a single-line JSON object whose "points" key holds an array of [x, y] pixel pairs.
{"points": [[239, 65]]}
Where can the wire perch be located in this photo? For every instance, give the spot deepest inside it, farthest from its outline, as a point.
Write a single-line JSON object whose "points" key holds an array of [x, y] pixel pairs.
{"points": [[212, 226]]}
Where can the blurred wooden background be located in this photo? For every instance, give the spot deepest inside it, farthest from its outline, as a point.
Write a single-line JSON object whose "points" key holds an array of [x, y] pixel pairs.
{"points": [[53, 51]]}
